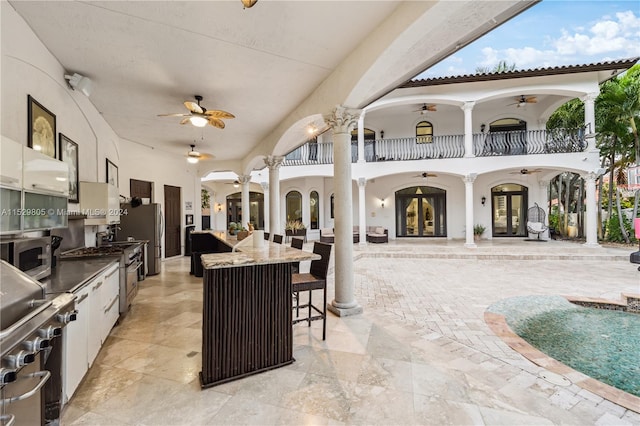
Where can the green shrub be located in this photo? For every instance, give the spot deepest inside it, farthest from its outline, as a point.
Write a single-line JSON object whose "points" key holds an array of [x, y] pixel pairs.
{"points": [[613, 233]]}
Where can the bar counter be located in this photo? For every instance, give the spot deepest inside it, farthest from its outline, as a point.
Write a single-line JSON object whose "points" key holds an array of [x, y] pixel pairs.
{"points": [[247, 309]]}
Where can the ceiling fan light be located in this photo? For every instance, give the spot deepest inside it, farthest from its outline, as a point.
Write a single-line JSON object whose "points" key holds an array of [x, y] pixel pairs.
{"points": [[192, 160], [198, 121], [248, 3]]}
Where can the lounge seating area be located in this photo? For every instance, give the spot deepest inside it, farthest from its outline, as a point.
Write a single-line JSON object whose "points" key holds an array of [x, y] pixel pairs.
{"points": [[375, 234]]}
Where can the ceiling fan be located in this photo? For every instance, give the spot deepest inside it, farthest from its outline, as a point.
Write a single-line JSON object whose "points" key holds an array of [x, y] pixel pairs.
{"points": [[426, 108], [425, 175], [524, 100], [526, 172], [199, 116], [194, 156]]}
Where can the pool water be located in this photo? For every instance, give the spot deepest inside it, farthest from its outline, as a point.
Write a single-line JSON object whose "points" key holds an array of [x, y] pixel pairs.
{"points": [[603, 344]]}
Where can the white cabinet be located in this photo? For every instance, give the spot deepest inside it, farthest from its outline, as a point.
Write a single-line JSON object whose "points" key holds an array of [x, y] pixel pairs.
{"points": [[43, 174], [98, 310], [100, 202], [10, 163], [75, 345], [43, 211]]}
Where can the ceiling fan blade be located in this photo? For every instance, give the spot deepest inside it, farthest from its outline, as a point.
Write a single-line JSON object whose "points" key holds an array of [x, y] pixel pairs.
{"points": [[216, 113], [193, 107], [177, 114], [216, 122], [205, 156], [531, 100], [184, 120]]}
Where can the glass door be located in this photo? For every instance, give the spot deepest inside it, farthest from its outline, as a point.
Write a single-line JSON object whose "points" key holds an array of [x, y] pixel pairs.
{"points": [[421, 212], [509, 210]]}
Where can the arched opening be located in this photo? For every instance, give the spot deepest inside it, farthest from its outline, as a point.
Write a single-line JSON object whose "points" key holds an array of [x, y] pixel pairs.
{"points": [[509, 210], [314, 209], [421, 211], [508, 136], [256, 209], [294, 206], [424, 132], [369, 145]]}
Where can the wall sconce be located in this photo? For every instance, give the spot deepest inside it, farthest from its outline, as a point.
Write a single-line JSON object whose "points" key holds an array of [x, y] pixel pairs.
{"points": [[482, 127], [483, 200], [381, 134], [382, 202], [218, 207]]}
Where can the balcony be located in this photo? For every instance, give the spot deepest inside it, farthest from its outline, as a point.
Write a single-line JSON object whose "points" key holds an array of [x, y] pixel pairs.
{"points": [[447, 146]]}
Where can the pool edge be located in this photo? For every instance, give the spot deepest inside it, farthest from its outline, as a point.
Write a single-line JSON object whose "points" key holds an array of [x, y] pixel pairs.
{"points": [[498, 325]]}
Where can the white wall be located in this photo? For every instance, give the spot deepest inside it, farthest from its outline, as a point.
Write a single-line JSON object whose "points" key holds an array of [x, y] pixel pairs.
{"points": [[28, 68]]}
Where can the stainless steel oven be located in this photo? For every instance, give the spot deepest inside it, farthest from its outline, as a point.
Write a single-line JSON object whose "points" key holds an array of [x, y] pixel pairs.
{"points": [[31, 255]]}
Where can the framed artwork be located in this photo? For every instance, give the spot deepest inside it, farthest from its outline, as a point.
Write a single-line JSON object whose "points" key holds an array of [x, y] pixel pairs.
{"points": [[41, 128], [112, 173], [69, 154], [189, 219]]}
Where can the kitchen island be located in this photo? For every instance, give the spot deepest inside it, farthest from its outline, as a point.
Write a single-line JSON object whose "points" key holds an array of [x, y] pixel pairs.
{"points": [[247, 309]]}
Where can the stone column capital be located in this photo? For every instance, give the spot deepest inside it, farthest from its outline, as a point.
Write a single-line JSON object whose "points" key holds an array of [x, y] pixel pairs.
{"points": [[342, 119], [590, 97], [468, 106], [244, 179], [362, 182], [265, 186], [273, 161], [470, 178]]}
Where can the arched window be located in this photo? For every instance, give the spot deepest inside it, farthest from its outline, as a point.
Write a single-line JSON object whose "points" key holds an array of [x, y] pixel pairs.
{"points": [[332, 197], [369, 145], [294, 206], [424, 132], [314, 209]]}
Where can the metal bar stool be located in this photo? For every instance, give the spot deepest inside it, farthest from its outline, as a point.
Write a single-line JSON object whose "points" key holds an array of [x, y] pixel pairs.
{"points": [[316, 279]]}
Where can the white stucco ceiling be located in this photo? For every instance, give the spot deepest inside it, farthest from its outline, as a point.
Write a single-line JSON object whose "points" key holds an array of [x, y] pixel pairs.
{"points": [[271, 66]]}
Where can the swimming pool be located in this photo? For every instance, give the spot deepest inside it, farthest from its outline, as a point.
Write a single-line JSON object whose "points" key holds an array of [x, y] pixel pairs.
{"points": [[603, 344]]}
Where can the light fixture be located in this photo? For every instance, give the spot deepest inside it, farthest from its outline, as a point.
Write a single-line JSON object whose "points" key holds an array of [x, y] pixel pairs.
{"points": [[218, 207], [80, 82], [381, 134], [482, 127], [193, 156], [248, 3], [198, 121], [382, 202], [311, 129], [483, 200], [236, 184]]}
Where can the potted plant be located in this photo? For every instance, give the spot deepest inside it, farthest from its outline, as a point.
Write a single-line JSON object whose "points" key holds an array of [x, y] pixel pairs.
{"points": [[241, 233], [295, 228], [478, 230], [232, 228]]}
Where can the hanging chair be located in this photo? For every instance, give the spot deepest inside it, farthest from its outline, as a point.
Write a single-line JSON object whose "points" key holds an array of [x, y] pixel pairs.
{"points": [[535, 221]]}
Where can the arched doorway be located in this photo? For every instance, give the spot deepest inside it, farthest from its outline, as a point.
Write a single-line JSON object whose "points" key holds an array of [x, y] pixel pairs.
{"points": [[256, 209], [509, 210], [421, 211], [508, 136]]}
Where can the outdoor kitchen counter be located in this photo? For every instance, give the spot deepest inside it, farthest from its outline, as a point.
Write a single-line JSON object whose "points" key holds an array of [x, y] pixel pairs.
{"points": [[247, 309], [70, 275]]}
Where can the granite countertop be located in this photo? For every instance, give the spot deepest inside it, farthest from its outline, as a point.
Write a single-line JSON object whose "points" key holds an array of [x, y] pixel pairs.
{"points": [[246, 254], [71, 275]]}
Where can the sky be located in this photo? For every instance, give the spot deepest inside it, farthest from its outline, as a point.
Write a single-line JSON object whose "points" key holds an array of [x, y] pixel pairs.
{"points": [[552, 33]]}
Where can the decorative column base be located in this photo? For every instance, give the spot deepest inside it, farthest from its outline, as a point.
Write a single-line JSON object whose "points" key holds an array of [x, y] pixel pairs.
{"points": [[470, 245], [348, 311], [591, 245]]}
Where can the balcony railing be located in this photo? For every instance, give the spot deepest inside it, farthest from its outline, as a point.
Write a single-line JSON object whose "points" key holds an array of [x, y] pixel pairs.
{"points": [[447, 146]]}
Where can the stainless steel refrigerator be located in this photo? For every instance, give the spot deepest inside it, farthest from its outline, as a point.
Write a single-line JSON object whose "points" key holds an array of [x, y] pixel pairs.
{"points": [[144, 222]]}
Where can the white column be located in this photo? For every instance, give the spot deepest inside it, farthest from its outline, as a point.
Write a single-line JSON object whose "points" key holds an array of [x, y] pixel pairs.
{"points": [[544, 202], [246, 208], [273, 163], [468, 129], [361, 138], [468, 204], [265, 191], [342, 121], [590, 119], [362, 211], [592, 210]]}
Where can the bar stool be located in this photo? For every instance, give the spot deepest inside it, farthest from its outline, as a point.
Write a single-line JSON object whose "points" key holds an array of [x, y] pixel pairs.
{"points": [[266, 236], [297, 243], [316, 279], [277, 238]]}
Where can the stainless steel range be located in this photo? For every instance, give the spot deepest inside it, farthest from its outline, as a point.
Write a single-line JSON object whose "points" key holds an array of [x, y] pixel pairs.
{"points": [[130, 258], [30, 349]]}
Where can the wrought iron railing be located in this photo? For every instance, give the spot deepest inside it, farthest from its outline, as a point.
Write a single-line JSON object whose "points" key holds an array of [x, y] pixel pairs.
{"points": [[448, 146]]}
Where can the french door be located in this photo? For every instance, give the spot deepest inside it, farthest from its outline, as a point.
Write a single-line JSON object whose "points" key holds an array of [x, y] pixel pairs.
{"points": [[509, 210], [421, 212]]}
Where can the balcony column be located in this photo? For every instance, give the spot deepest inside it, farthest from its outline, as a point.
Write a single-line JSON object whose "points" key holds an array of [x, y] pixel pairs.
{"points": [[342, 121], [468, 207], [244, 203], [467, 107], [265, 192], [592, 210], [590, 119], [362, 211], [361, 158], [274, 162]]}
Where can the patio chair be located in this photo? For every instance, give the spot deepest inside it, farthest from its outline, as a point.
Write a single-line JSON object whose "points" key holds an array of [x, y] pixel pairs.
{"points": [[277, 238], [535, 221]]}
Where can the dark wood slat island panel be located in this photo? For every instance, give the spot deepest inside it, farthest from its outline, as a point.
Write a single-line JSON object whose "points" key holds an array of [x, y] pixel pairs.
{"points": [[246, 321]]}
